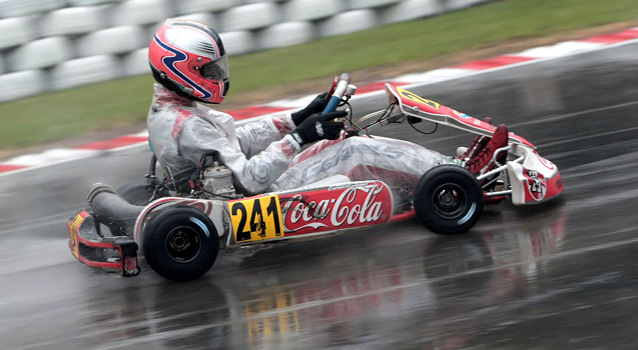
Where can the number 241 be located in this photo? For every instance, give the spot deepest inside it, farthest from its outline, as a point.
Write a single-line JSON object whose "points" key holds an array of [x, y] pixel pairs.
{"points": [[255, 220]]}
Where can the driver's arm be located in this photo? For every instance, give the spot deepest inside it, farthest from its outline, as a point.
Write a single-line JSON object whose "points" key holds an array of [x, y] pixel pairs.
{"points": [[257, 136], [252, 175]]}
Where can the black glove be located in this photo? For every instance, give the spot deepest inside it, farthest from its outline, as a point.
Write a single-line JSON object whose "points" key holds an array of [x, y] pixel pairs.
{"points": [[318, 127], [316, 106]]}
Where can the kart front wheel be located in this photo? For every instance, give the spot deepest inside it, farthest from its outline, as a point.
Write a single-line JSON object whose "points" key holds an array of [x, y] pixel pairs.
{"points": [[180, 243], [448, 199]]}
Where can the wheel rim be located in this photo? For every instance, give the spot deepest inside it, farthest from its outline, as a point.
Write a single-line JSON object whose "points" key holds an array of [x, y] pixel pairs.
{"points": [[449, 201], [182, 244]]}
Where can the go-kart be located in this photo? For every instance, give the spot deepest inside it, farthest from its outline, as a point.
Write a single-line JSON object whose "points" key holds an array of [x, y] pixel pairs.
{"points": [[179, 226]]}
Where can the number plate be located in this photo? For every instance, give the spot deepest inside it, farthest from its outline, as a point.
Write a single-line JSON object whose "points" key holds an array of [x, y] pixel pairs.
{"points": [[256, 218]]}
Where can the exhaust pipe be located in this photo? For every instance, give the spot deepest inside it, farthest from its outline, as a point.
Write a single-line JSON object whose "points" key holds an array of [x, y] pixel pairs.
{"points": [[112, 210]]}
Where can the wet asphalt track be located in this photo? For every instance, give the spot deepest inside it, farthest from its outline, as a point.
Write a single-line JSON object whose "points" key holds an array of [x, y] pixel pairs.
{"points": [[560, 276]]}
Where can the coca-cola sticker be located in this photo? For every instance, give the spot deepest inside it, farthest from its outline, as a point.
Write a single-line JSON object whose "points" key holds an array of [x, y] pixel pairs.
{"points": [[328, 209]]}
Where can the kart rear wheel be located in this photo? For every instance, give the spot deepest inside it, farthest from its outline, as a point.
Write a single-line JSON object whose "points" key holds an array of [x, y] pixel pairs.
{"points": [[180, 243], [448, 199]]}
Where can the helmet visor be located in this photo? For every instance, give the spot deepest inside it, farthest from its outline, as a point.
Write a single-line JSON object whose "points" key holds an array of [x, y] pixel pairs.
{"points": [[216, 70]]}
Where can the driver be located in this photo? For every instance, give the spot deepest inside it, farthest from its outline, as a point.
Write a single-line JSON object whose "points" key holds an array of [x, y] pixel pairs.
{"points": [[189, 62]]}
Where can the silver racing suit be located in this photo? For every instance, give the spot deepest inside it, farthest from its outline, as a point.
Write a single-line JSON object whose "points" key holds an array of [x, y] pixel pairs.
{"points": [[264, 157]]}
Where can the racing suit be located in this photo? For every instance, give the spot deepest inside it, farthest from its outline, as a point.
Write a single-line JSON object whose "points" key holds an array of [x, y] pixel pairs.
{"points": [[264, 157]]}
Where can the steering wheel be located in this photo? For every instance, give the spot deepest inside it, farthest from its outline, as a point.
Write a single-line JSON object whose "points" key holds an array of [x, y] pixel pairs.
{"points": [[338, 88]]}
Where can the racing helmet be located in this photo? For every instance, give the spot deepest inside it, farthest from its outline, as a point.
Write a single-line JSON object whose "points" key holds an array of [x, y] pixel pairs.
{"points": [[189, 58]]}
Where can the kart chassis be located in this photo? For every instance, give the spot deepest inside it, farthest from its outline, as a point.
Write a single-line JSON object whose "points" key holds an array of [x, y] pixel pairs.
{"points": [[329, 207]]}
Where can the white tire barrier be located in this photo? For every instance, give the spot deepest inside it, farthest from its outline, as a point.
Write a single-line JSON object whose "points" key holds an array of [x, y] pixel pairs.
{"points": [[45, 34], [206, 18], [451, 5], [140, 12], [90, 2], [116, 40], [248, 17], [41, 53], [366, 4], [255, 1], [136, 63], [73, 20], [348, 22], [286, 34], [17, 8], [15, 31], [190, 6], [21, 84], [409, 10], [305, 10], [239, 42], [84, 71]]}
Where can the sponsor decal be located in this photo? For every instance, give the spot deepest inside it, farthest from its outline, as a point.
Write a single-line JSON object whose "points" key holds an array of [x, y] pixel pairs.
{"points": [[463, 115], [347, 206], [536, 184], [74, 226], [418, 99]]}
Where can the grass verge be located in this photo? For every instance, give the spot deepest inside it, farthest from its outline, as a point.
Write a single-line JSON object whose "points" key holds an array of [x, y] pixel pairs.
{"points": [[64, 114]]}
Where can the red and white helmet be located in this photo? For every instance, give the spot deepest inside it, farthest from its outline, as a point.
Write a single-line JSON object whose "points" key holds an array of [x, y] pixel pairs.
{"points": [[188, 57]]}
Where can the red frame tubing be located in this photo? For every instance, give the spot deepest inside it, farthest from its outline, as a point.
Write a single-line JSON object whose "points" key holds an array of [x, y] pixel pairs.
{"points": [[492, 200]]}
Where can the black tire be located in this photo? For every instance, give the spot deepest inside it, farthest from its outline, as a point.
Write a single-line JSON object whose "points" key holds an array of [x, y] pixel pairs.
{"points": [[448, 199], [137, 193], [180, 243]]}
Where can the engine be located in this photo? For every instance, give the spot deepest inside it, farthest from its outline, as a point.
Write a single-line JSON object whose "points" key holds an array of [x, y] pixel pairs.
{"points": [[217, 180]]}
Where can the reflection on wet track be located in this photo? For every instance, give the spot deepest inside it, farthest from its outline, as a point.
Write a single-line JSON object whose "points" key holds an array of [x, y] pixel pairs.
{"points": [[561, 275]]}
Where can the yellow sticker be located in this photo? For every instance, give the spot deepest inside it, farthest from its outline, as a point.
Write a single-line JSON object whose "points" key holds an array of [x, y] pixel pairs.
{"points": [[256, 219], [418, 99], [73, 231]]}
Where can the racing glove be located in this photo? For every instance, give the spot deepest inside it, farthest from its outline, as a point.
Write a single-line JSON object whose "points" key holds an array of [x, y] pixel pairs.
{"points": [[316, 106], [319, 127]]}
